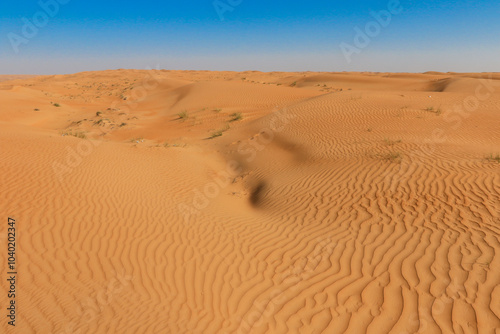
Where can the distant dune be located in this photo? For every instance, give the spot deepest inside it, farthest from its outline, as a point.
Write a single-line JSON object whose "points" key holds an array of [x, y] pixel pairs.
{"points": [[15, 77], [249, 202]]}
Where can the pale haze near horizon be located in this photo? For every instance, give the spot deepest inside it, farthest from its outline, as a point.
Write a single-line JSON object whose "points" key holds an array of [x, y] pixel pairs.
{"points": [[374, 62], [426, 36]]}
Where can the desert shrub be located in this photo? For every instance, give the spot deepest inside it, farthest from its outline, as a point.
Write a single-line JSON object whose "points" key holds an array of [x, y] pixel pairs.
{"points": [[183, 115], [77, 134], [493, 158], [216, 134], [219, 133], [236, 116], [392, 157], [390, 142]]}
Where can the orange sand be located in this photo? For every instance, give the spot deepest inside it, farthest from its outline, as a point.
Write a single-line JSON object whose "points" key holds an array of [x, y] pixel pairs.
{"points": [[336, 202]]}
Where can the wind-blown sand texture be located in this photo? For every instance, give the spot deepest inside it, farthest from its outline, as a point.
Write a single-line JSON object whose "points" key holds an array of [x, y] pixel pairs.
{"points": [[333, 203]]}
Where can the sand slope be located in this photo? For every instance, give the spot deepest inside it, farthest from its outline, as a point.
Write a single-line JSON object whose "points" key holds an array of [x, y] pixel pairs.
{"points": [[338, 203]]}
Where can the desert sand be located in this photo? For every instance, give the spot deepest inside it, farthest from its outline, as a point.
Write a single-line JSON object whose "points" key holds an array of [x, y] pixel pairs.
{"points": [[248, 202]]}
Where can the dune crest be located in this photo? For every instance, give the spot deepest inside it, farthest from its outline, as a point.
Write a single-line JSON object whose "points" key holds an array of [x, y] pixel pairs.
{"points": [[249, 202]]}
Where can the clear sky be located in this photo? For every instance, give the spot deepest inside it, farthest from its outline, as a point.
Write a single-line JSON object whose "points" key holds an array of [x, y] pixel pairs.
{"points": [[462, 36]]}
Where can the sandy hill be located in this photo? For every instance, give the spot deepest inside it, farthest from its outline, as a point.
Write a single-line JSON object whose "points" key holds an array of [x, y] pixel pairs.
{"points": [[249, 202]]}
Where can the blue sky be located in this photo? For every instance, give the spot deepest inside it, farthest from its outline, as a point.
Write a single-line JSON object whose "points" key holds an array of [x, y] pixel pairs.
{"points": [[461, 36]]}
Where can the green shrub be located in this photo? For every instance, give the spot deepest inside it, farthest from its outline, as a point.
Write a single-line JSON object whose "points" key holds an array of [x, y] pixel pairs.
{"points": [[493, 158], [219, 133], [77, 134], [392, 157], [390, 142], [216, 134], [236, 116]]}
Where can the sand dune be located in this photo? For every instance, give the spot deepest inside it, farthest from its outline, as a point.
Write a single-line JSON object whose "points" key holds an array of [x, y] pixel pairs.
{"points": [[250, 202]]}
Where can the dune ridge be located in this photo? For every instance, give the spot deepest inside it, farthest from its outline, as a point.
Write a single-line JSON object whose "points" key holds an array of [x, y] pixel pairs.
{"points": [[249, 202]]}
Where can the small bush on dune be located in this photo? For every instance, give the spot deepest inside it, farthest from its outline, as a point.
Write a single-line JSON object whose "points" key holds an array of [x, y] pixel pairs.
{"points": [[183, 115], [393, 157], [390, 142], [236, 116], [437, 111], [216, 134], [77, 134], [137, 140], [219, 133], [396, 157], [81, 135], [493, 158]]}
